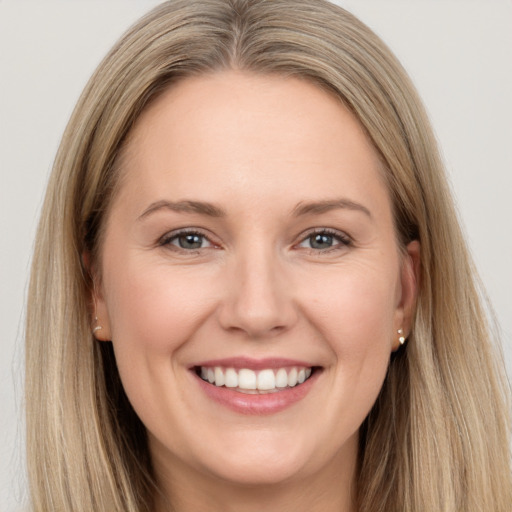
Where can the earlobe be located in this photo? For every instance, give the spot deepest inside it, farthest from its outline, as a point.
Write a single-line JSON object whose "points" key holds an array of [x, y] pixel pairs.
{"points": [[410, 280], [100, 325]]}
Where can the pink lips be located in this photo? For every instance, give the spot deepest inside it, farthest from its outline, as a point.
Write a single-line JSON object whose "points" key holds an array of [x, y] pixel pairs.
{"points": [[255, 404]]}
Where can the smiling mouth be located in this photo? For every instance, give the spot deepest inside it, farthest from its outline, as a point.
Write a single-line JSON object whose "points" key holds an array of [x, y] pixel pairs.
{"points": [[245, 380]]}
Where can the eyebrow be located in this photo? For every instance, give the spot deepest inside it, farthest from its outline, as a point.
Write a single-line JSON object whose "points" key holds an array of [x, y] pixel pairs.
{"points": [[201, 207], [211, 210], [319, 207]]}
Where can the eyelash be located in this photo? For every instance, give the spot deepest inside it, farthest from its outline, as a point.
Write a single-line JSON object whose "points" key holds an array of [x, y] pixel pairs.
{"points": [[342, 239]]}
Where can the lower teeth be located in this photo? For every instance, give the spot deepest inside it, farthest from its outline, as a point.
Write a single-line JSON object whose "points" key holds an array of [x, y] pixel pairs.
{"points": [[255, 391], [259, 392]]}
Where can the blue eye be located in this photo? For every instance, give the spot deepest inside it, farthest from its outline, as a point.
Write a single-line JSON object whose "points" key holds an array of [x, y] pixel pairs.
{"points": [[187, 240], [324, 240]]}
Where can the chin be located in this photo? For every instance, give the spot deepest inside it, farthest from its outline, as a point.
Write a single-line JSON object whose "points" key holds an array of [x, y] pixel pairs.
{"points": [[271, 471], [266, 462]]}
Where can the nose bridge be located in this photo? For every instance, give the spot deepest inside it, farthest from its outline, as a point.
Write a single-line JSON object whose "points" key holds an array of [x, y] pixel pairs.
{"points": [[258, 299]]}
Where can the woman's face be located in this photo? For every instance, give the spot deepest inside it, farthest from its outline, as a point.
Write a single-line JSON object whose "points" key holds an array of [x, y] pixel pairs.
{"points": [[251, 245]]}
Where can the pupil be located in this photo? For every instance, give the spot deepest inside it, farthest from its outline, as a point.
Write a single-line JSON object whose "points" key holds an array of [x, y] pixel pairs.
{"points": [[190, 241], [321, 241]]}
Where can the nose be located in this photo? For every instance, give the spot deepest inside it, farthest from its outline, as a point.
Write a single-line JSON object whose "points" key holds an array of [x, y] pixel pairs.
{"points": [[258, 298]]}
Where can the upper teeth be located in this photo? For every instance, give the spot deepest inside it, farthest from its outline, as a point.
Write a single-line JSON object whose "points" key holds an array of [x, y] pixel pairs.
{"points": [[263, 380]]}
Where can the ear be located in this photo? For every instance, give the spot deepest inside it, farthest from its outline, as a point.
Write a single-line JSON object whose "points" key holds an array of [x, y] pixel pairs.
{"points": [[409, 287], [100, 323]]}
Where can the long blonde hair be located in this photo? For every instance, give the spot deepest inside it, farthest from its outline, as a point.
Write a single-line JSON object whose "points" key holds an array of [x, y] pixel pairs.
{"points": [[437, 438]]}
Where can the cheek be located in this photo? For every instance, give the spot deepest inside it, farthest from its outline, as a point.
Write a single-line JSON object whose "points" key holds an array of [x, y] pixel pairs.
{"points": [[354, 310], [153, 307], [153, 311]]}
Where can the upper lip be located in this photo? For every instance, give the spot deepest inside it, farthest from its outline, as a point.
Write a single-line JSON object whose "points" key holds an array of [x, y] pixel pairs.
{"points": [[253, 364]]}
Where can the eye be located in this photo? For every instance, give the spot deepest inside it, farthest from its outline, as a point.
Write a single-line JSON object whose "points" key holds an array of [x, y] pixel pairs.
{"points": [[325, 240], [186, 240]]}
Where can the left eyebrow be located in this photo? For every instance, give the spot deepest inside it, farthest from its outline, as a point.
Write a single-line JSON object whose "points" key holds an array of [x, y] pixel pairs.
{"points": [[319, 207]]}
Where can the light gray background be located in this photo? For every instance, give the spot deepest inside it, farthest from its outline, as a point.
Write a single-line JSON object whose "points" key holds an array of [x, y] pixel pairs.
{"points": [[458, 52]]}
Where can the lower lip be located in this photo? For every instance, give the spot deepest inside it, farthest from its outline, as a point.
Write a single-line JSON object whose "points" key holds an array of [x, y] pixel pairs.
{"points": [[257, 404]]}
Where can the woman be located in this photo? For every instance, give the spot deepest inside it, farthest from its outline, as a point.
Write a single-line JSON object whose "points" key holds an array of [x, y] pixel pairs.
{"points": [[249, 289]]}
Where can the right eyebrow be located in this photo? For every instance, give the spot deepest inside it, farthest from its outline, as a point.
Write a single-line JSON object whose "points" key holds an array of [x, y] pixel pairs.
{"points": [[201, 207]]}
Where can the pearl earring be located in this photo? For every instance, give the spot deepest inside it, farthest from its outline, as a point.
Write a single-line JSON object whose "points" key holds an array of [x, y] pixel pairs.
{"points": [[401, 337], [98, 327]]}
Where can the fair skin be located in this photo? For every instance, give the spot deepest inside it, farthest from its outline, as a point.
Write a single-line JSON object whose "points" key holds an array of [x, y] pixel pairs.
{"points": [[252, 222]]}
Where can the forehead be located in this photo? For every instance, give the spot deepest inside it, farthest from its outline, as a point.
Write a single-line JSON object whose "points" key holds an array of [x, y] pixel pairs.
{"points": [[249, 136]]}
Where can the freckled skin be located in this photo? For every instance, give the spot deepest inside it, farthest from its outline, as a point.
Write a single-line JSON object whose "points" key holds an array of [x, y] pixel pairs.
{"points": [[257, 285]]}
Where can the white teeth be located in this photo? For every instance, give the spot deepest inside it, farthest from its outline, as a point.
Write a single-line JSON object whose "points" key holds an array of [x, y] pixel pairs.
{"points": [[231, 378], [266, 380], [219, 377], [281, 378], [246, 380]]}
